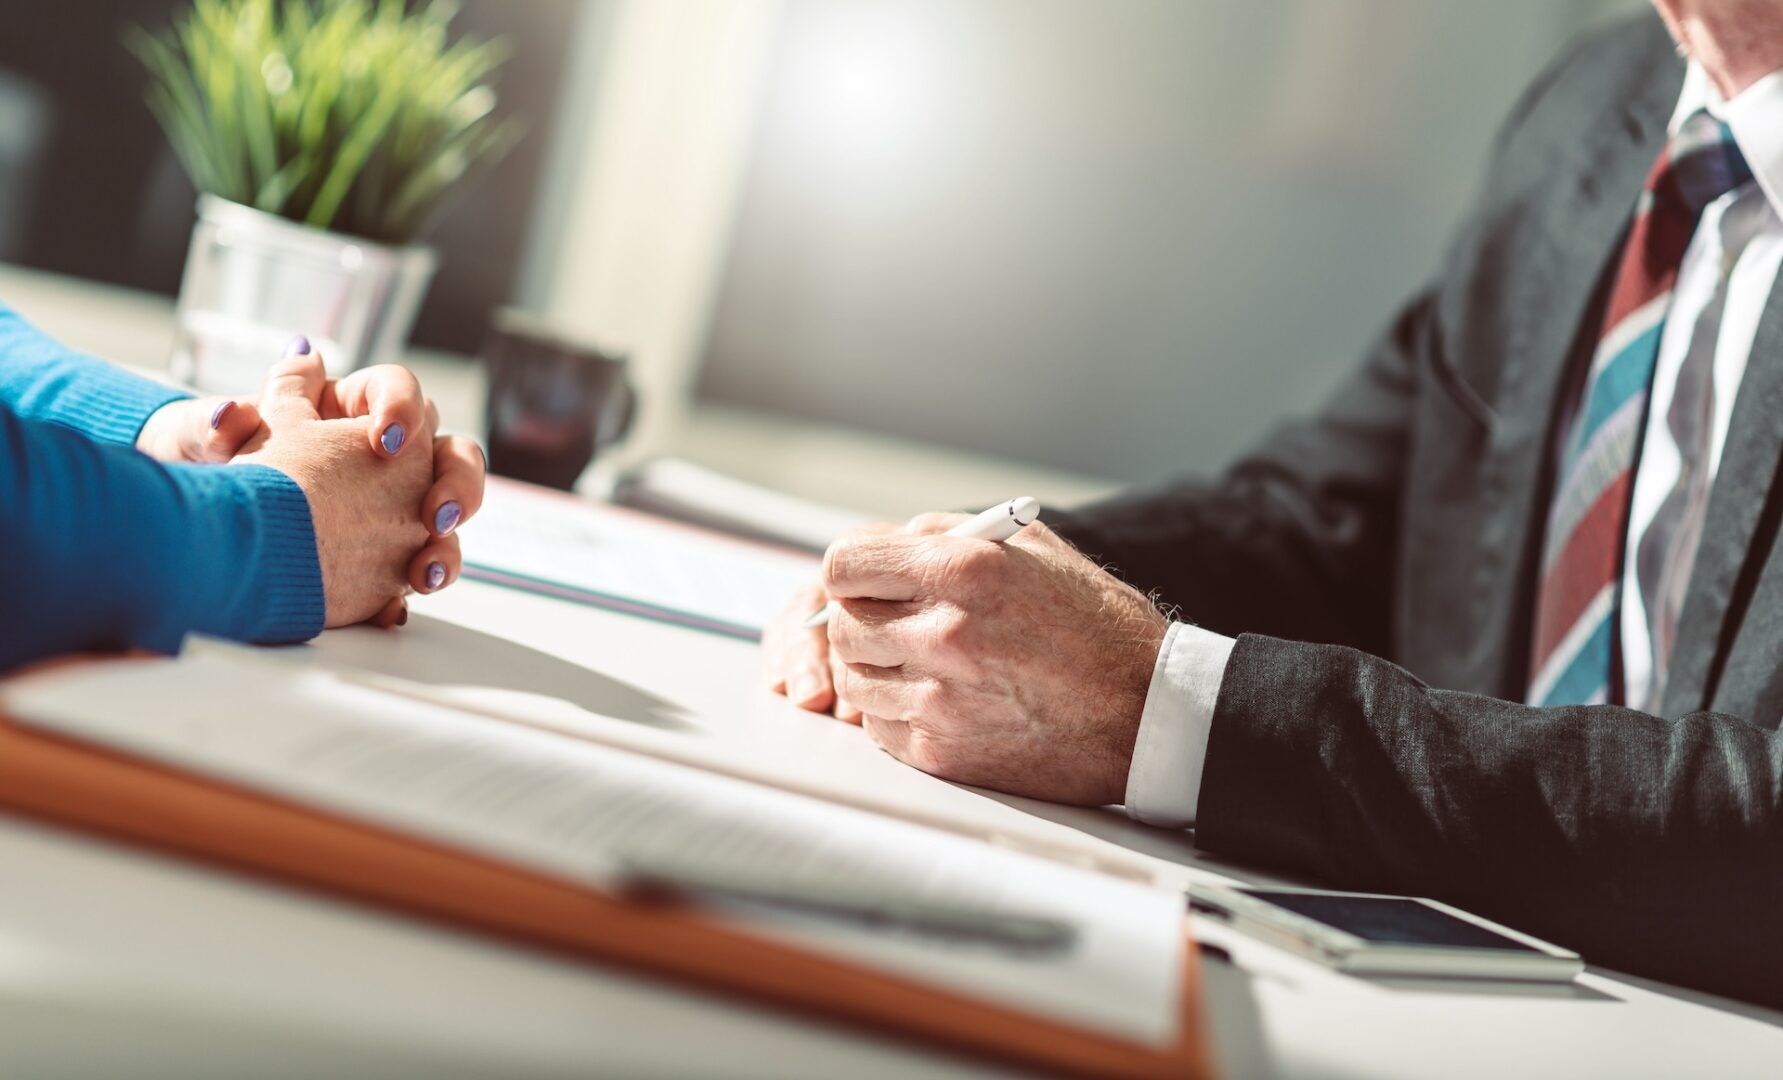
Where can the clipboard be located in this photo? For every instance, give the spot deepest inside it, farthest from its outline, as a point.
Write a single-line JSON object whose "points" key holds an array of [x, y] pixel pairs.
{"points": [[67, 782]]}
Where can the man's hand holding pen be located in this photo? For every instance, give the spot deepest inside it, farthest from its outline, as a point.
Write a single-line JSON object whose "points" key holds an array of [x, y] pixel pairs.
{"points": [[1021, 666]]}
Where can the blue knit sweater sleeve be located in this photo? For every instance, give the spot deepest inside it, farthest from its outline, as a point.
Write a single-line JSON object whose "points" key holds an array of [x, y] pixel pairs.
{"points": [[42, 379], [103, 547]]}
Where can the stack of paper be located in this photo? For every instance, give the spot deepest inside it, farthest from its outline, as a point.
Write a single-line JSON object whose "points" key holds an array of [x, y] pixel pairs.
{"points": [[579, 811]]}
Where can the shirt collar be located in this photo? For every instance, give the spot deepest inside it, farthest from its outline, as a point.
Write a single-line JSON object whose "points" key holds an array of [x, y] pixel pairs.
{"points": [[1755, 116]]}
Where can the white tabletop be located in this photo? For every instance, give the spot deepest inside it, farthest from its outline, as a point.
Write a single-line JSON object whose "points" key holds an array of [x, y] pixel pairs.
{"points": [[117, 962]]}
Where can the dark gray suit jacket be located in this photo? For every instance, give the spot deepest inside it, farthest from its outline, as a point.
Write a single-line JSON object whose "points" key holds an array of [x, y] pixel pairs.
{"points": [[1377, 560]]}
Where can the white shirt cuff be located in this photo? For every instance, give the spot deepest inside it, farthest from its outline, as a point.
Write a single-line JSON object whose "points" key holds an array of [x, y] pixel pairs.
{"points": [[1164, 781]]}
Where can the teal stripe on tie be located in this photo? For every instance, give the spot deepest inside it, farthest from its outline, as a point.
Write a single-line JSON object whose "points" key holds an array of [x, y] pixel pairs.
{"points": [[1584, 675], [1628, 374]]}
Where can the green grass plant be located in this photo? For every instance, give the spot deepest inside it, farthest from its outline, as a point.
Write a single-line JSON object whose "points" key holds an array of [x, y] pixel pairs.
{"points": [[356, 116]]}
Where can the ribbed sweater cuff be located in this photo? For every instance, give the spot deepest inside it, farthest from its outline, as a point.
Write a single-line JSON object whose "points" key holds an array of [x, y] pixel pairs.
{"points": [[112, 409], [277, 597], [42, 379]]}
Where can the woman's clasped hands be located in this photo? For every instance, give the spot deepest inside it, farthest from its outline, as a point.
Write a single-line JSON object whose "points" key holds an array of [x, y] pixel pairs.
{"points": [[386, 491]]}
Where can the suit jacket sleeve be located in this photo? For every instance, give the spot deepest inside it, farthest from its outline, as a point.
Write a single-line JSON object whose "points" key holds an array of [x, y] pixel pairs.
{"points": [[1653, 845], [1650, 845]]}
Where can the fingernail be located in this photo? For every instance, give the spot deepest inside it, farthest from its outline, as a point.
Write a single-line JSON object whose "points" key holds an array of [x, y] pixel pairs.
{"points": [[402, 617], [216, 418], [445, 519], [436, 575], [805, 687], [392, 439], [300, 346]]}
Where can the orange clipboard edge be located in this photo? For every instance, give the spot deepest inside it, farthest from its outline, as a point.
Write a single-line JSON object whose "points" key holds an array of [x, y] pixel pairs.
{"points": [[97, 790]]}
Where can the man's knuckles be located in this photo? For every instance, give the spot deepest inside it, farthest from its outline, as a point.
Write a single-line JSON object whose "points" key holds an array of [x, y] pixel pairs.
{"points": [[861, 556], [840, 558], [952, 635], [965, 567], [849, 639], [931, 703], [942, 565]]}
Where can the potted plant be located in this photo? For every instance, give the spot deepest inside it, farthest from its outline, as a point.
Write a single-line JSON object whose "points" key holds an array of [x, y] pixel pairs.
{"points": [[322, 136]]}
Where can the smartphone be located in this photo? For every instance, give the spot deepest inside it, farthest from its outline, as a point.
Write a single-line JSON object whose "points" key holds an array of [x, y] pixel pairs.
{"points": [[1374, 934]]}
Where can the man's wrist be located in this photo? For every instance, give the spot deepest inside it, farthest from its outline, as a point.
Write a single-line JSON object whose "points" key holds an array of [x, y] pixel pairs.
{"points": [[1170, 748], [1141, 655]]}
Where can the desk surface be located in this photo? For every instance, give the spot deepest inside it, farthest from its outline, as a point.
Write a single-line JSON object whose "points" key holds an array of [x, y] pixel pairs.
{"points": [[110, 958], [114, 962]]}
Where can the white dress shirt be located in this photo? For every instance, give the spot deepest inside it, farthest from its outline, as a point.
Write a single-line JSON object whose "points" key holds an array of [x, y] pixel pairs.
{"points": [[1723, 286]]}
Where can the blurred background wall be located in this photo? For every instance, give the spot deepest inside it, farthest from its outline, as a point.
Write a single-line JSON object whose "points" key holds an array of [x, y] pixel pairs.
{"points": [[1116, 237]]}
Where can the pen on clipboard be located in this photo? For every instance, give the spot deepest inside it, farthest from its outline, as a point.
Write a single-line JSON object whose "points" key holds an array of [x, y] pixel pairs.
{"points": [[649, 877], [996, 524]]}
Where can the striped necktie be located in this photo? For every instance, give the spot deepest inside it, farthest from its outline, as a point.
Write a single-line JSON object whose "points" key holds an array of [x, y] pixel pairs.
{"points": [[1579, 595]]}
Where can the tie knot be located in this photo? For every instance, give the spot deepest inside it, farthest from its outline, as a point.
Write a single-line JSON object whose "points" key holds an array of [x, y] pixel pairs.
{"points": [[1703, 163]]}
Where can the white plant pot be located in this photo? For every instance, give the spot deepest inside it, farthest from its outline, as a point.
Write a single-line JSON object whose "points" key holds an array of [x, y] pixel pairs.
{"points": [[253, 281]]}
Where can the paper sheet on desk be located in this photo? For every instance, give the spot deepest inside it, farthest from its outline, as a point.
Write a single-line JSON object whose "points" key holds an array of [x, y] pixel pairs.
{"points": [[565, 546], [568, 808], [771, 767]]}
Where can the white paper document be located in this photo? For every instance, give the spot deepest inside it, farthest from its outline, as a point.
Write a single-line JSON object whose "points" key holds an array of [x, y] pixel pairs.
{"points": [[566, 546], [576, 809]]}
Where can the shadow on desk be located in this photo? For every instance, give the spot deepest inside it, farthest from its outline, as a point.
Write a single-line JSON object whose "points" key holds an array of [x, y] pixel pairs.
{"points": [[1113, 825], [446, 655]]}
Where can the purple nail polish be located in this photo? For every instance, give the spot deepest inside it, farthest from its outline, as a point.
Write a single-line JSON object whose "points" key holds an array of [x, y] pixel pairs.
{"points": [[436, 575], [392, 439], [402, 617], [300, 346], [445, 519], [216, 418]]}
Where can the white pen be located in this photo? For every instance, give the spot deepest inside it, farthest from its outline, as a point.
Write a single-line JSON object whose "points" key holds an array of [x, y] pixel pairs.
{"points": [[997, 524]]}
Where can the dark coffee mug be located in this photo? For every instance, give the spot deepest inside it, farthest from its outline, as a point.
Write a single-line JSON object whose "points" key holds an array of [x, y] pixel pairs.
{"points": [[553, 402]]}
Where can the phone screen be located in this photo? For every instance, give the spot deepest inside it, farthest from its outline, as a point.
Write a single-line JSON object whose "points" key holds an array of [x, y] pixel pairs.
{"points": [[1390, 920]]}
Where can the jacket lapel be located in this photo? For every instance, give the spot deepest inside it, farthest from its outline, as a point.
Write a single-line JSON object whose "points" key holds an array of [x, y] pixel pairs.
{"points": [[1585, 227], [1585, 224], [1744, 484]]}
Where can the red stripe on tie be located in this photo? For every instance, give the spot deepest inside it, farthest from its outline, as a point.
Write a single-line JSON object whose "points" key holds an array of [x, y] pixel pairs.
{"points": [[1650, 259], [1588, 560], [1585, 565]]}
